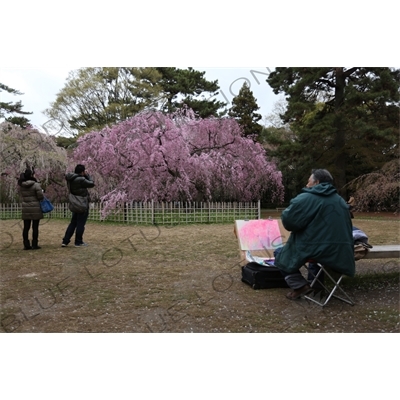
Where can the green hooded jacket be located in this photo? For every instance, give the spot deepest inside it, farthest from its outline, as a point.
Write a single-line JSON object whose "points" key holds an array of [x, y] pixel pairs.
{"points": [[320, 229]]}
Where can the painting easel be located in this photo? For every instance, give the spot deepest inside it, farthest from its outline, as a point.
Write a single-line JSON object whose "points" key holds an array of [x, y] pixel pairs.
{"points": [[261, 237]]}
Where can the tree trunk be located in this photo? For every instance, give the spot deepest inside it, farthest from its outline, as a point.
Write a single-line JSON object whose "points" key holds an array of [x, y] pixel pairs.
{"points": [[340, 135]]}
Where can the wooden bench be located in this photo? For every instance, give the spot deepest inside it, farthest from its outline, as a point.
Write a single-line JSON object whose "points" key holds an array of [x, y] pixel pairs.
{"points": [[377, 252], [387, 251]]}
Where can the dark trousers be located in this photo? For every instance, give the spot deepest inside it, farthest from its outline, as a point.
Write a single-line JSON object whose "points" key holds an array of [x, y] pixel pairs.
{"points": [[295, 280], [35, 231], [77, 226]]}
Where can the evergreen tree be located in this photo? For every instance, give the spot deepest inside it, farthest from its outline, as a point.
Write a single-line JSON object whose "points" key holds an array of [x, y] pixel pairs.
{"points": [[93, 98], [13, 108], [244, 107], [280, 144], [184, 86], [345, 120], [65, 142]]}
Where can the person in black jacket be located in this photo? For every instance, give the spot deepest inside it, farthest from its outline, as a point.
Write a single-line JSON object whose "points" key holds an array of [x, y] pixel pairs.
{"points": [[31, 194], [78, 183]]}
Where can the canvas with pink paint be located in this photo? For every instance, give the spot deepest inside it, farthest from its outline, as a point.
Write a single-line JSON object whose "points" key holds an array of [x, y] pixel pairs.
{"points": [[259, 234]]}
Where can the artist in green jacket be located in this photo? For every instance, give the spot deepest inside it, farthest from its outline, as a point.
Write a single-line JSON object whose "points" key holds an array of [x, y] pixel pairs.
{"points": [[320, 229]]}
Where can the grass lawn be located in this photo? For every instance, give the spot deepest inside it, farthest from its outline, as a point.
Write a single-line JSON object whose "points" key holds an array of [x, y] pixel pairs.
{"points": [[185, 278]]}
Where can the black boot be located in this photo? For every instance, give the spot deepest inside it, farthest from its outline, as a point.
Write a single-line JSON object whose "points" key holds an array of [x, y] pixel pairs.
{"points": [[27, 245], [35, 245]]}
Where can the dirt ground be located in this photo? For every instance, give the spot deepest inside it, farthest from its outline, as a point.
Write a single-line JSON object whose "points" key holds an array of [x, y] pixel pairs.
{"points": [[175, 279]]}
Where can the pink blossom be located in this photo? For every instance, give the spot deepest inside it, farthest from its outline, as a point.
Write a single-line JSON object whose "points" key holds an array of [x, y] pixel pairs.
{"points": [[177, 157]]}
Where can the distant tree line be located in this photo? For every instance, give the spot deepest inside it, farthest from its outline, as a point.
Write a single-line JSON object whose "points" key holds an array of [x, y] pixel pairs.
{"points": [[343, 119]]}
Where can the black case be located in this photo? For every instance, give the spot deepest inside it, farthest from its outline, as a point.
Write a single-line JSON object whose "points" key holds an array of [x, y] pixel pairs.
{"points": [[263, 277]]}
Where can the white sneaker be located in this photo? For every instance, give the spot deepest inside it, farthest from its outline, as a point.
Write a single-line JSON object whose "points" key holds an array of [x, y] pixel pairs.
{"points": [[81, 245]]}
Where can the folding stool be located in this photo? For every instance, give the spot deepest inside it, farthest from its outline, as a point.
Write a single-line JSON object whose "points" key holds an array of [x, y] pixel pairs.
{"points": [[330, 292]]}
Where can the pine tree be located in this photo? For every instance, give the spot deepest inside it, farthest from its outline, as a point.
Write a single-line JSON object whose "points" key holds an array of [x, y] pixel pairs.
{"points": [[244, 107], [343, 119], [189, 87], [13, 108]]}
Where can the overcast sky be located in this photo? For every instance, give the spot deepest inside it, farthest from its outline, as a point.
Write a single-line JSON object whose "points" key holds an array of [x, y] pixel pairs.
{"points": [[41, 85]]}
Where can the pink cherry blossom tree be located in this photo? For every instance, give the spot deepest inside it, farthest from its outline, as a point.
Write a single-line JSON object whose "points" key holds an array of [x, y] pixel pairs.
{"points": [[177, 157], [22, 148]]}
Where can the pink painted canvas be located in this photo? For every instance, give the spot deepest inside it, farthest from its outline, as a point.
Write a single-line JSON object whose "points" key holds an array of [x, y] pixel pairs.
{"points": [[259, 234]]}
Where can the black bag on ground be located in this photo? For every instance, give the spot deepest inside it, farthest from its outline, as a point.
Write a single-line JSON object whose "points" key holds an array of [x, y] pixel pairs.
{"points": [[263, 277]]}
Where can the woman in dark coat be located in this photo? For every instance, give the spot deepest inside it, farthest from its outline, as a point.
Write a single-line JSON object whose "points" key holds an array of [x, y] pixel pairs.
{"points": [[31, 194]]}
